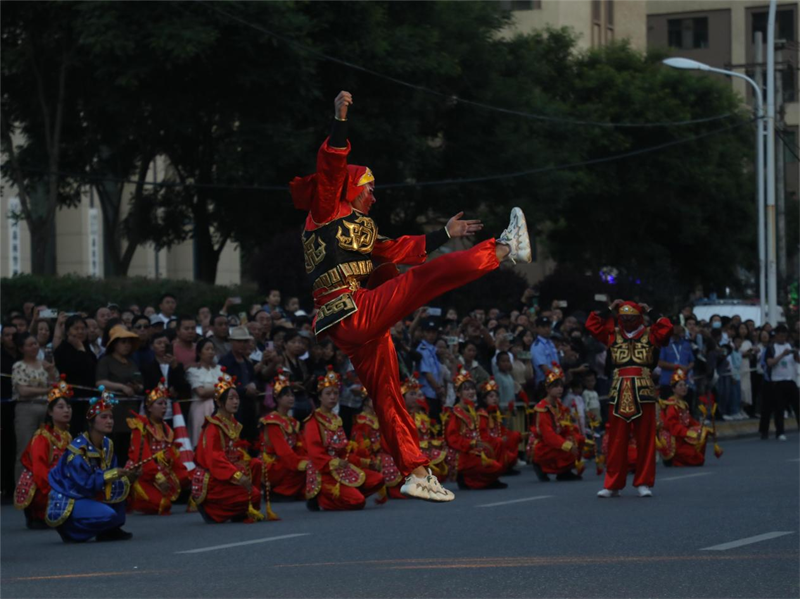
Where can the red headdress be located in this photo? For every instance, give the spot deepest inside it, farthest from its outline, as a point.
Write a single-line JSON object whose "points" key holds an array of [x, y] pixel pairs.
{"points": [[226, 382], [161, 391], [104, 403], [331, 379], [61, 389], [553, 375], [677, 376], [303, 189], [281, 382]]}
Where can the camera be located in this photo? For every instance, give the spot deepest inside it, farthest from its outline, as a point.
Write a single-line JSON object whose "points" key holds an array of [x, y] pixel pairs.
{"points": [[434, 311]]}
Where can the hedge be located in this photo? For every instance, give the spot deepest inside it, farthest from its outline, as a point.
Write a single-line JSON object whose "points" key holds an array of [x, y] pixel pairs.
{"points": [[86, 294]]}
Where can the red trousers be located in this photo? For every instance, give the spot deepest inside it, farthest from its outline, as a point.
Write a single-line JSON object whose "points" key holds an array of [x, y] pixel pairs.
{"points": [[286, 481], [364, 337], [687, 454], [477, 473], [226, 500], [339, 497], [644, 431], [554, 460]]}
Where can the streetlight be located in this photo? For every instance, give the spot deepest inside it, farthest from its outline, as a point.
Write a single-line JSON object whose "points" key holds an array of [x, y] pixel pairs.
{"points": [[693, 65]]}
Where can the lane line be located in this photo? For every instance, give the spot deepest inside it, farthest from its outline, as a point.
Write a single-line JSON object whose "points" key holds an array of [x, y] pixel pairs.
{"points": [[87, 575], [795, 460], [749, 540], [241, 544], [685, 476], [515, 501]]}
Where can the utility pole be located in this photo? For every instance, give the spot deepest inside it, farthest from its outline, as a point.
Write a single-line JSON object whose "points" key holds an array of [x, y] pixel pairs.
{"points": [[758, 56], [780, 178], [772, 275]]}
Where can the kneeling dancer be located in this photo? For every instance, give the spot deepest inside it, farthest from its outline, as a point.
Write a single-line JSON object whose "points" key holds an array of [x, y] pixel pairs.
{"points": [[634, 350], [341, 246], [87, 490], [682, 439], [332, 482], [226, 485]]}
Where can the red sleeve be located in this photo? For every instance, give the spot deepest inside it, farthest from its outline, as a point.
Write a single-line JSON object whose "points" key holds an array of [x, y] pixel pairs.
{"points": [[544, 423], [672, 422], [454, 437], [330, 177], [408, 249], [316, 452], [361, 454], [40, 462], [660, 332], [601, 328], [278, 440], [484, 427], [178, 467], [217, 463]]}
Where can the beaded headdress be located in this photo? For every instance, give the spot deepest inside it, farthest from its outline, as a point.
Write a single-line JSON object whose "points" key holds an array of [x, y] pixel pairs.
{"points": [[226, 382], [462, 376], [104, 403], [59, 390], [331, 379], [159, 392], [553, 374]]}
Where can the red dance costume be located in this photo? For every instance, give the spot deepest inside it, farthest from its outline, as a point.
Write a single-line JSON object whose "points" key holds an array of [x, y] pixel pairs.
{"points": [[366, 453], [284, 455], [555, 434], [503, 441], [632, 453], [341, 248], [470, 457], [331, 477], [147, 440], [40, 456], [681, 439], [222, 461], [633, 393]]}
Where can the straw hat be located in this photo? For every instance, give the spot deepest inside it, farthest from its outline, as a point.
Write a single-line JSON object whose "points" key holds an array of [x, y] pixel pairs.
{"points": [[120, 332]]}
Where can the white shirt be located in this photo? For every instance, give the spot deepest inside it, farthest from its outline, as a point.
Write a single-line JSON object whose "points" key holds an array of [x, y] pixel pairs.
{"points": [[197, 376], [785, 369]]}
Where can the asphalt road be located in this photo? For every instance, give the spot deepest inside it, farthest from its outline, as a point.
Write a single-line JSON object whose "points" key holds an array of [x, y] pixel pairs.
{"points": [[729, 529]]}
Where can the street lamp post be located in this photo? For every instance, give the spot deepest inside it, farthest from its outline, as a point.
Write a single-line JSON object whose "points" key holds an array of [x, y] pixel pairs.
{"points": [[687, 64]]}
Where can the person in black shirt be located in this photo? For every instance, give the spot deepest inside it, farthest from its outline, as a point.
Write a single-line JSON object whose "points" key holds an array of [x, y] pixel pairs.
{"points": [[74, 358]]}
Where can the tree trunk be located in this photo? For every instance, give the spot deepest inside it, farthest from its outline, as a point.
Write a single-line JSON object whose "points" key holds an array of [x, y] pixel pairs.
{"points": [[206, 253]]}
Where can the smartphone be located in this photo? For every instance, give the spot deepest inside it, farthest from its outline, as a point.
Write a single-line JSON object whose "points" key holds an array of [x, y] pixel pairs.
{"points": [[524, 355], [561, 304], [49, 313], [452, 340], [269, 345], [434, 311], [601, 297], [236, 300]]}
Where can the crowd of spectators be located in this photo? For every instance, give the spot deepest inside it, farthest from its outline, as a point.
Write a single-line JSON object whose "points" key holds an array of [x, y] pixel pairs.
{"points": [[751, 371]]}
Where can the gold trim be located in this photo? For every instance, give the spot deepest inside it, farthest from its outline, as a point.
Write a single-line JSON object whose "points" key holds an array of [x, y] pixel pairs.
{"points": [[342, 274], [64, 515]]}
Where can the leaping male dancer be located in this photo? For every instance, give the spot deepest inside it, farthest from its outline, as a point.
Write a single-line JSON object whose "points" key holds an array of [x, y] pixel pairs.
{"points": [[342, 249]]}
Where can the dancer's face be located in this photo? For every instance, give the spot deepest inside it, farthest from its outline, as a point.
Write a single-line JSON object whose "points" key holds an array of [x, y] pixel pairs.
{"points": [[363, 203]]}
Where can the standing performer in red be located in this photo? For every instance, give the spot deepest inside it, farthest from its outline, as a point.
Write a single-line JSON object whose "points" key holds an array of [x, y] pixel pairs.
{"points": [[634, 350], [341, 248]]}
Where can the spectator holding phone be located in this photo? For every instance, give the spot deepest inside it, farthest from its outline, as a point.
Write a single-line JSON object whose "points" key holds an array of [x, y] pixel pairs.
{"points": [[781, 369], [469, 351]]}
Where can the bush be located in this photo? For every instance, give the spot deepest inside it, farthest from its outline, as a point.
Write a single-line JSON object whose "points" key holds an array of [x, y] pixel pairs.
{"points": [[86, 294]]}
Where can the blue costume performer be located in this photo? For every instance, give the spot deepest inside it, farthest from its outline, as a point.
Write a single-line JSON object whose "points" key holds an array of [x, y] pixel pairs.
{"points": [[87, 490]]}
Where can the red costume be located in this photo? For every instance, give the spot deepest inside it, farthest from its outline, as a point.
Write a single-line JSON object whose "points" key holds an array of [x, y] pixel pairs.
{"points": [[632, 453], [222, 462], [503, 441], [331, 477], [147, 440], [633, 394], [341, 248], [681, 439], [430, 442], [472, 458], [40, 456], [366, 453], [282, 450]]}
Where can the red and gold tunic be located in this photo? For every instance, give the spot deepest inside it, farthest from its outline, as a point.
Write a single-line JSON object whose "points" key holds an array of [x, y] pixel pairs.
{"points": [[40, 456], [681, 438], [147, 440], [554, 436], [467, 454], [284, 454], [503, 441], [331, 477], [432, 446], [366, 452], [221, 462]]}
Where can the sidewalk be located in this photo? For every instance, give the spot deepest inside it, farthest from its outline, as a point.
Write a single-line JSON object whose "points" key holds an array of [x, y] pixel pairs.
{"points": [[749, 428]]}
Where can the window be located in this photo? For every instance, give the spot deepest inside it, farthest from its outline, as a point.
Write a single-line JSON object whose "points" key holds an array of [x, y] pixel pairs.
{"points": [[784, 25], [688, 34], [610, 14], [790, 149], [597, 11]]}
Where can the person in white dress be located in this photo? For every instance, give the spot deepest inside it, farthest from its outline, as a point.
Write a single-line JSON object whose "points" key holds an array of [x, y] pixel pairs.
{"points": [[202, 379]]}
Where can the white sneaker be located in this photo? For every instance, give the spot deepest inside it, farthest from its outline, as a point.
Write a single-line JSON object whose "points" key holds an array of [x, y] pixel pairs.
{"points": [[427, 488], [727, 418], [781, 437], [607, 493], [644, 491], [516, 237]]}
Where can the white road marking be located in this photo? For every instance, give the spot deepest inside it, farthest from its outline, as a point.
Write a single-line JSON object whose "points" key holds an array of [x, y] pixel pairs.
{"points": [[795, 460], [749, 540], [253, 542], [515, 501], [661, 480]]}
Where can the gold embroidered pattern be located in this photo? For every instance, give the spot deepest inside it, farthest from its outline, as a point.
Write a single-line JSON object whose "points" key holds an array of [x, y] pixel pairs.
{"points": [[343, 274], [362, 235], [341, 303], [312, 255]]}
